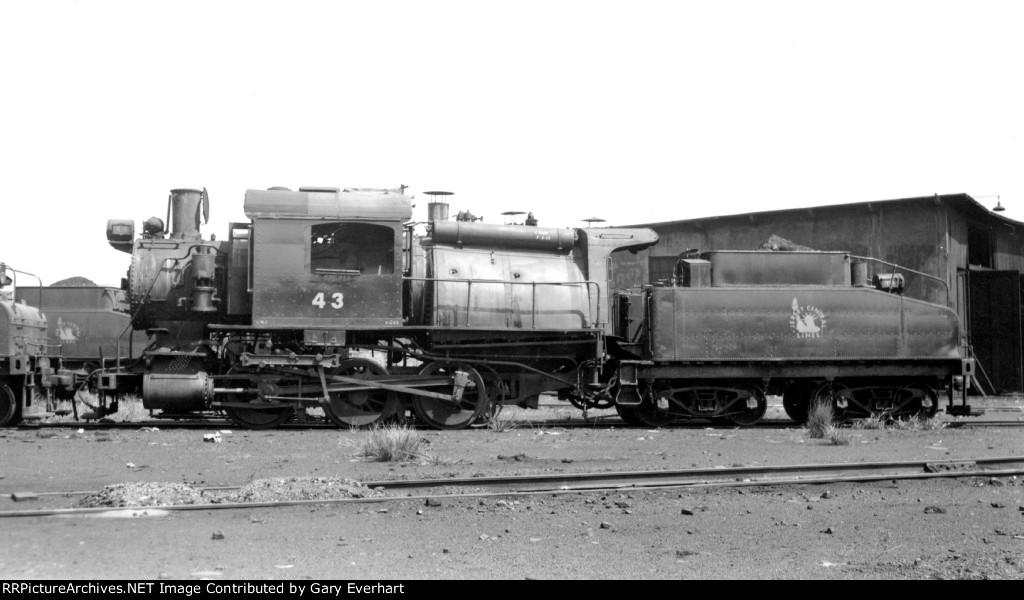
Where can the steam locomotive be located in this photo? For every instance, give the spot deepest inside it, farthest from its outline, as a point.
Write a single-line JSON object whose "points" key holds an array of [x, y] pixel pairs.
{"points": [[284, 314], [29, 359]]}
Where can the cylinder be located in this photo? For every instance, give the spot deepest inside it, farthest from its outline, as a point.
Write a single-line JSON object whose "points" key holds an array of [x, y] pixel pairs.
{"points": [[859, 273], [176, 392]]}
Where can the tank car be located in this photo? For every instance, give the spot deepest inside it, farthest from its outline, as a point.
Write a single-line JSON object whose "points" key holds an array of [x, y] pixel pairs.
{"points": [[279, 317], [731, 327], [29, 361]]}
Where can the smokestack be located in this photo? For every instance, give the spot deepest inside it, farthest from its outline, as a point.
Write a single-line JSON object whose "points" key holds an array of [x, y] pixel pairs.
{"points": [[185, 207], [437, 208]]}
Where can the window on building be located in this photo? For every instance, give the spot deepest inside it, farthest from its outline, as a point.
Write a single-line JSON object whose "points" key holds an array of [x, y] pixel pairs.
{"points": [[352, 248]]}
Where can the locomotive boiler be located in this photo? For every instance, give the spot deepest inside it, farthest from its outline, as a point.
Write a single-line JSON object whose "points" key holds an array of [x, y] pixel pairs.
{"points": [[281, 315]]}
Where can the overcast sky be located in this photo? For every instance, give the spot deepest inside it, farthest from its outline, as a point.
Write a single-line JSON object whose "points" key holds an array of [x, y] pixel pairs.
{"points": [[630, 111]]}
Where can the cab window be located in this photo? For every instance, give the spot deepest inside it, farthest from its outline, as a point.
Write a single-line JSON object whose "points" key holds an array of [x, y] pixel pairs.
{"points": [[352, 249]]}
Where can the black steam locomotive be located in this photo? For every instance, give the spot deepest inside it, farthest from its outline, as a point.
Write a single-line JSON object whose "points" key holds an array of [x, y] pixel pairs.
{"points": [[288, 311]]}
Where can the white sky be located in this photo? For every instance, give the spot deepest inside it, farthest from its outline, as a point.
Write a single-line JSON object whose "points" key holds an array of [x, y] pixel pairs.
{"points": [[632, 111]]}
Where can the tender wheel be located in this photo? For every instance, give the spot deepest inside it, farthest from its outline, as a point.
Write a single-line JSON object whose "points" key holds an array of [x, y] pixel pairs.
{"points": [[364, 407], [647, 411], [10, 406], [254, 418], [831, 394], [749, 416], [925, 391], [628, 414], [796, 400], [444, 414]]}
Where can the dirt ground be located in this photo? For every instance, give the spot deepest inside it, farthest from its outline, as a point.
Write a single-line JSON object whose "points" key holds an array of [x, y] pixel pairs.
{"points": [[969, 527]]}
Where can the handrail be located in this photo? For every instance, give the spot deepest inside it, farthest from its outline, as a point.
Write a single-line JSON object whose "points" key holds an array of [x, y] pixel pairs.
{"points": [[895, 266], [591, 305]]}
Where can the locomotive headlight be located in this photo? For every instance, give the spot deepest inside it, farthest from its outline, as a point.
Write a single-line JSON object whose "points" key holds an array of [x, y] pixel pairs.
{"points": [[121, 234]]}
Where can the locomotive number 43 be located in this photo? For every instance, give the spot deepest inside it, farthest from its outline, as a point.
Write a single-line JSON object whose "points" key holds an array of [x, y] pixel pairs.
{"points": [[336, 300]]}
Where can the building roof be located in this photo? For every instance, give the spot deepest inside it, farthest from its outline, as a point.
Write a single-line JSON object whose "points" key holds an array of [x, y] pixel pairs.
{"points": [[960, 202]]}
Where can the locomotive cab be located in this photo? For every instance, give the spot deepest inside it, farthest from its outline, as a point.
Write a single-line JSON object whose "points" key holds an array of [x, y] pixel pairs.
{"points": [[325, 258]]}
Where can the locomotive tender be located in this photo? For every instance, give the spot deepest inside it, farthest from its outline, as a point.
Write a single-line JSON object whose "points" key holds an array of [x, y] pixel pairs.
{"points": [[277, 318], [735, 326]]}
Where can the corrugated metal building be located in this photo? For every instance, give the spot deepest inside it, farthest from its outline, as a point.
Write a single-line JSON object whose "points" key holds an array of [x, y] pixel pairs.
{"points": [[977, 254]]}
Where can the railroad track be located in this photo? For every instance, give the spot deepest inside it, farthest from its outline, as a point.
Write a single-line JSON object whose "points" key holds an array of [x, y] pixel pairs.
{"points": [[566, 483], [593, 422]]}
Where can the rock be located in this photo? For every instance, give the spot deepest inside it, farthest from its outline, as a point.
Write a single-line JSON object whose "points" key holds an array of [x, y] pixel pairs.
{"points": [[687, 511], [827, 495], [828, 530], [517, 458], [217, 535], [998, 505], [996, 482], [686, 553], [433, 502], [622, 504], [444, 551], [934, 510], [606, 525]]}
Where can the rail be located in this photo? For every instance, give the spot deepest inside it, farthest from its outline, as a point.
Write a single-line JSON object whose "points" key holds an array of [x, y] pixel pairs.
{"points": [[592, 306], [580, 483]]}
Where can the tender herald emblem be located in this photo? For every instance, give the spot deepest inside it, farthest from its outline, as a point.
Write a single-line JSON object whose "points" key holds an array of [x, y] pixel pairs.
{"points": [[807, 321], [68, 331]]}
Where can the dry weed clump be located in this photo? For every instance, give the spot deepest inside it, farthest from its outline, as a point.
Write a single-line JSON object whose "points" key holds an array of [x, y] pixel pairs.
{"points": [[820, 420], [838, 436], [502, 421], [391, 443], [916, 423], [821, 425]]}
